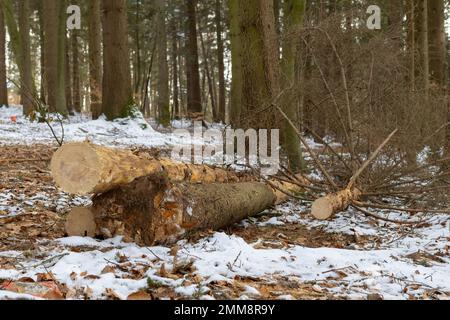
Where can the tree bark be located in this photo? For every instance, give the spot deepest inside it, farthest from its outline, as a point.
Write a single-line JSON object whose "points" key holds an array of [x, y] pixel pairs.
{"points": [[208, 76], [117, 91], [27, 85], [422, 41], [95, 57], [194, 103], [54, 47], [221, 64], [261, 70], [42, 91], [236, 62], [294, 11], [3, 85], [153, 211], [411, 41], [163, 68], [175, 77], [437, 41], [76, 82], [69, 79]]}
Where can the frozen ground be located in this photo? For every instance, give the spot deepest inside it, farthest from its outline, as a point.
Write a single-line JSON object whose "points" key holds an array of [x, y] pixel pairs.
{"points": [[283, 254]]}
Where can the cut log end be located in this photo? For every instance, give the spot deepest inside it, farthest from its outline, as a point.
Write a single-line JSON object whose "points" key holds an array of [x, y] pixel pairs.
{"points": [[326, 207], [322, 209], [75, 168], [80, 223]]}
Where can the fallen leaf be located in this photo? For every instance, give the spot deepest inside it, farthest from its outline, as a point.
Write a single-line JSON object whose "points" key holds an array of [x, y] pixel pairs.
{"points": [[108, 269], [111, 294], [140, 295]]}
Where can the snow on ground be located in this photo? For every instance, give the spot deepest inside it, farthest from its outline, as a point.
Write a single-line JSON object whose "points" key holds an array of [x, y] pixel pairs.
{"points": [[385, 259], [123, 132]]}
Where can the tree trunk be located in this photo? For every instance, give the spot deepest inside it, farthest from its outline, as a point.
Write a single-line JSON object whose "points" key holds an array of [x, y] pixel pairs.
{"points": [[294, 11], [95, 57], [326, 207], [42, 91], [3, 87], [152, 211], [208, 76], [54, 47], [84, 168], [27, 85], [69, 79], [194, 103], [163, 68], [117, 91], [20, 50], [261, 70], [437, 41], [411, 40], [422, 41], [175, 77], [236, 62], [221, 64], [76, 83]]}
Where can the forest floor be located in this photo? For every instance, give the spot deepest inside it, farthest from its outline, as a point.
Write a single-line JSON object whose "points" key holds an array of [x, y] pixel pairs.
{"points": [[281, 254]]}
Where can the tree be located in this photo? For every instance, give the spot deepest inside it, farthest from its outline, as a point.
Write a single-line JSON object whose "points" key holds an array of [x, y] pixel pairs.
{"points": [[175, 69], [117, 91], [95, 57], [260, 67], [194, 101], [221, 64], [19, 39], [42, 94], [163, 68], [411, 41], [55, 57], [422, 41], [294, 11], [76, 84], [3, 87], [437, 41], [27, 86], [236, 61]]}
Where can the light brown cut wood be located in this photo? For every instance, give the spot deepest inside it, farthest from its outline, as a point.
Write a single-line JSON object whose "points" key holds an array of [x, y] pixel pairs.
{"points": [[326, 207], [84, 168], [80, 223]]}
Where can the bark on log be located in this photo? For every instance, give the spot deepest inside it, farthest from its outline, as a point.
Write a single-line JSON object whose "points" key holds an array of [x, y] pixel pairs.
{"points": [[84, 168], [151, 210], [326, 207]]}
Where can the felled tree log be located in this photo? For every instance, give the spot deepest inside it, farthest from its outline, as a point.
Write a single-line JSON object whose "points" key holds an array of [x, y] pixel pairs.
{"points": [[326, 207], [85, 168], [151, 210]]}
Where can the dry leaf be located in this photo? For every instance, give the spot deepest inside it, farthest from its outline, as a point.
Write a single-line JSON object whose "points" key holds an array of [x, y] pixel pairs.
{"points": [[108, 269], [140, 295], [111, 294]]}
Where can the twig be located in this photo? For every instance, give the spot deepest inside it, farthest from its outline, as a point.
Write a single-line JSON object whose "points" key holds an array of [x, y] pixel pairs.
{"points": [[373, 215], [369, 161], [383, 207], [156, 256]]}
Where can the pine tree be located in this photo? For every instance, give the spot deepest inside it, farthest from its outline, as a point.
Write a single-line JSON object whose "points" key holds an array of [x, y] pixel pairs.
{"points": [[194, 101], [163, 69], [95, 57], [3, 85], [117, 92]]}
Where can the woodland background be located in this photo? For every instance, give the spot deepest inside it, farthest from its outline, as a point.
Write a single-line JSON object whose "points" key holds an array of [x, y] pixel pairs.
{"points": [[235, 62]]}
